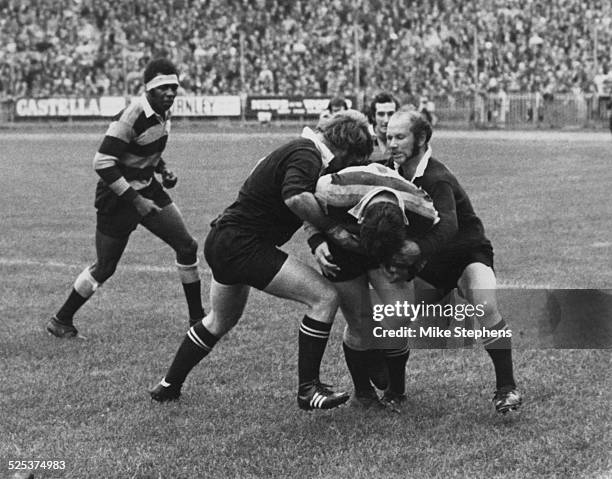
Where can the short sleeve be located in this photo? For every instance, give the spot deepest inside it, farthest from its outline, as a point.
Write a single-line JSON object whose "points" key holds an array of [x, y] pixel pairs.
{"points": [[301, 174]]}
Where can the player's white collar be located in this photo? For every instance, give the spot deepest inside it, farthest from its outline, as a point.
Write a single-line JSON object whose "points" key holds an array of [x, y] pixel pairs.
{"points": [[326, 154], [422, 166]]}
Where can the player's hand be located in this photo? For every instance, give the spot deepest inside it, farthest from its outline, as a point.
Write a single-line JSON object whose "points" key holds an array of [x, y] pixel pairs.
{"points": [[343, 238], [169, 179], [405, 264], [145, 206], [325, 260]]}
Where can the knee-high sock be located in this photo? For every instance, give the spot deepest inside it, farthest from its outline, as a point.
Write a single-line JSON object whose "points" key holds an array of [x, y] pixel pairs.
{"points": [[357, 364], [198, 342], [396, 363], [190, 279], [84, 287], [312, 341], [500, 350]]}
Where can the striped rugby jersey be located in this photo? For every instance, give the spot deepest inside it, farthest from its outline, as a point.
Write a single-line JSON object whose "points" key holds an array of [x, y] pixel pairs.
{"points": [[132, 147]]}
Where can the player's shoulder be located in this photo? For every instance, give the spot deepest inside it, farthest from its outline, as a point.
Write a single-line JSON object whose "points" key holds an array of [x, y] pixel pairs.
{"points": [[300, 147], [438, 170], [132, 113]]}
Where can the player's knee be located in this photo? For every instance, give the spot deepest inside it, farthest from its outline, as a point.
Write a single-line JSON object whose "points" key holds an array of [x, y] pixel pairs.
{"points": [[490, 315], [187, 251], [102, 271], [328, 301]]}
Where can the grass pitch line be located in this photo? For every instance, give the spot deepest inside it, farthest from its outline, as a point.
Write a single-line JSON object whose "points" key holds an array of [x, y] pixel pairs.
{"points": [[144, 268], [139, 268]]}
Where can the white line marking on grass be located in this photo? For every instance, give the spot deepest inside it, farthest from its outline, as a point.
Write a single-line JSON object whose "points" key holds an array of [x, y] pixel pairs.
{"points": [[140, 268], [145, 268]]}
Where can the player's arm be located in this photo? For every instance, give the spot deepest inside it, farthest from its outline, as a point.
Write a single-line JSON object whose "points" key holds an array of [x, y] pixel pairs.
{"points": [[297, 192], [446, 228], [106, 165], [306, 207]]}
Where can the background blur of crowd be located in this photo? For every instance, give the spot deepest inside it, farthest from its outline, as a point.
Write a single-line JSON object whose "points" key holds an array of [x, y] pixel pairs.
{"points": [[409, 47]]}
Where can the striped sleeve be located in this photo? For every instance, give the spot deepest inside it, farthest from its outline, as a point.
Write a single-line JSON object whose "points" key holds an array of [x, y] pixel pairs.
{"points": [[114, 144]]}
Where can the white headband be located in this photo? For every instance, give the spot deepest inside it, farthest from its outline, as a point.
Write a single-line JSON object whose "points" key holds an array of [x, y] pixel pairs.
{"points": [[160, 80]]}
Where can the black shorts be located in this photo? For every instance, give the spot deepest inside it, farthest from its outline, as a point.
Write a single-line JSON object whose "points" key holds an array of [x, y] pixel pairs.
{"points": [[117, 217], [352, 265], [444, 271], [237, 256]]}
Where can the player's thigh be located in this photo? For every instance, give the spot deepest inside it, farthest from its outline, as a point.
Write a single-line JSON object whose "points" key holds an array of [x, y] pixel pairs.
{"points": [[169, 226], [299, 282], [426, 292], [108, 251], [227, 303], [355, 302], [387, 292]]}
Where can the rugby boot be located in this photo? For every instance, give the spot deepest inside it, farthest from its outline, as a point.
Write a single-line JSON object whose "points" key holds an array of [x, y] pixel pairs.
{"points": [[163, 393], [507, 398], [316, 395], [62, 330]]}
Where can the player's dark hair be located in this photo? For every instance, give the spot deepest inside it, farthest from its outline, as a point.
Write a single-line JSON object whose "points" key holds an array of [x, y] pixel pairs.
{"points": [[382, 231], [337, 102], [159, 66], [383, 97], [348, 131]]}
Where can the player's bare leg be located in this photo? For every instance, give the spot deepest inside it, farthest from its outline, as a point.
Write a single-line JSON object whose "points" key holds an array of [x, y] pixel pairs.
{"points": [[169, 226], [227, 305], [300, 282], [362, 360], [109, 251], [478, 286], [397, 356]]}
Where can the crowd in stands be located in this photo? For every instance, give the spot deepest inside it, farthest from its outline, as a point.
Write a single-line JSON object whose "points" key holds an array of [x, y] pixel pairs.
{"points": [[409, 47]]}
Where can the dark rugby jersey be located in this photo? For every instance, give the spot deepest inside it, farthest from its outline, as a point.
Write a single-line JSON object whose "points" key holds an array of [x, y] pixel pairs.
{"points": [[292, 169], [132, 147], [459, 228]]}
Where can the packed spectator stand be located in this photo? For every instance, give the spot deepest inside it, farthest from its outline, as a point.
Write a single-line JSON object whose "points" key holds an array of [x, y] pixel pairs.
{"points": [[87, 47]]}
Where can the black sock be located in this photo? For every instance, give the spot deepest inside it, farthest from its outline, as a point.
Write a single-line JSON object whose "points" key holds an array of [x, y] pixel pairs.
{"points": [[198, 342], [71, 306], [396, 364], [500, 350], [356, 362], [193, 295], [313, 338]]}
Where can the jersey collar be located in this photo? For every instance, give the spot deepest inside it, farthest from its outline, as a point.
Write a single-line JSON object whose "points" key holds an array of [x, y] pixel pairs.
{"points": [[326, 155], [148, 109], [422, 166]]}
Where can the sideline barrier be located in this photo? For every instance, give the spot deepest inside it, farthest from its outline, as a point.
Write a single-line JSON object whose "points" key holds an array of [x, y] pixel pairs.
{"points": [[531, 110]]}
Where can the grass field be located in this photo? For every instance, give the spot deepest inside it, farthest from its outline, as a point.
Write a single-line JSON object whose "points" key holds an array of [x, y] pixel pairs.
{"points": [[545, 200]]}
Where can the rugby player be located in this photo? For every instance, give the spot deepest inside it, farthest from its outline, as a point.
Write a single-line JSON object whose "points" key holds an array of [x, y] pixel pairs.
{"points": [[456, 251], [382, 106], [386, 209], [128, 194], [242, 250]]}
